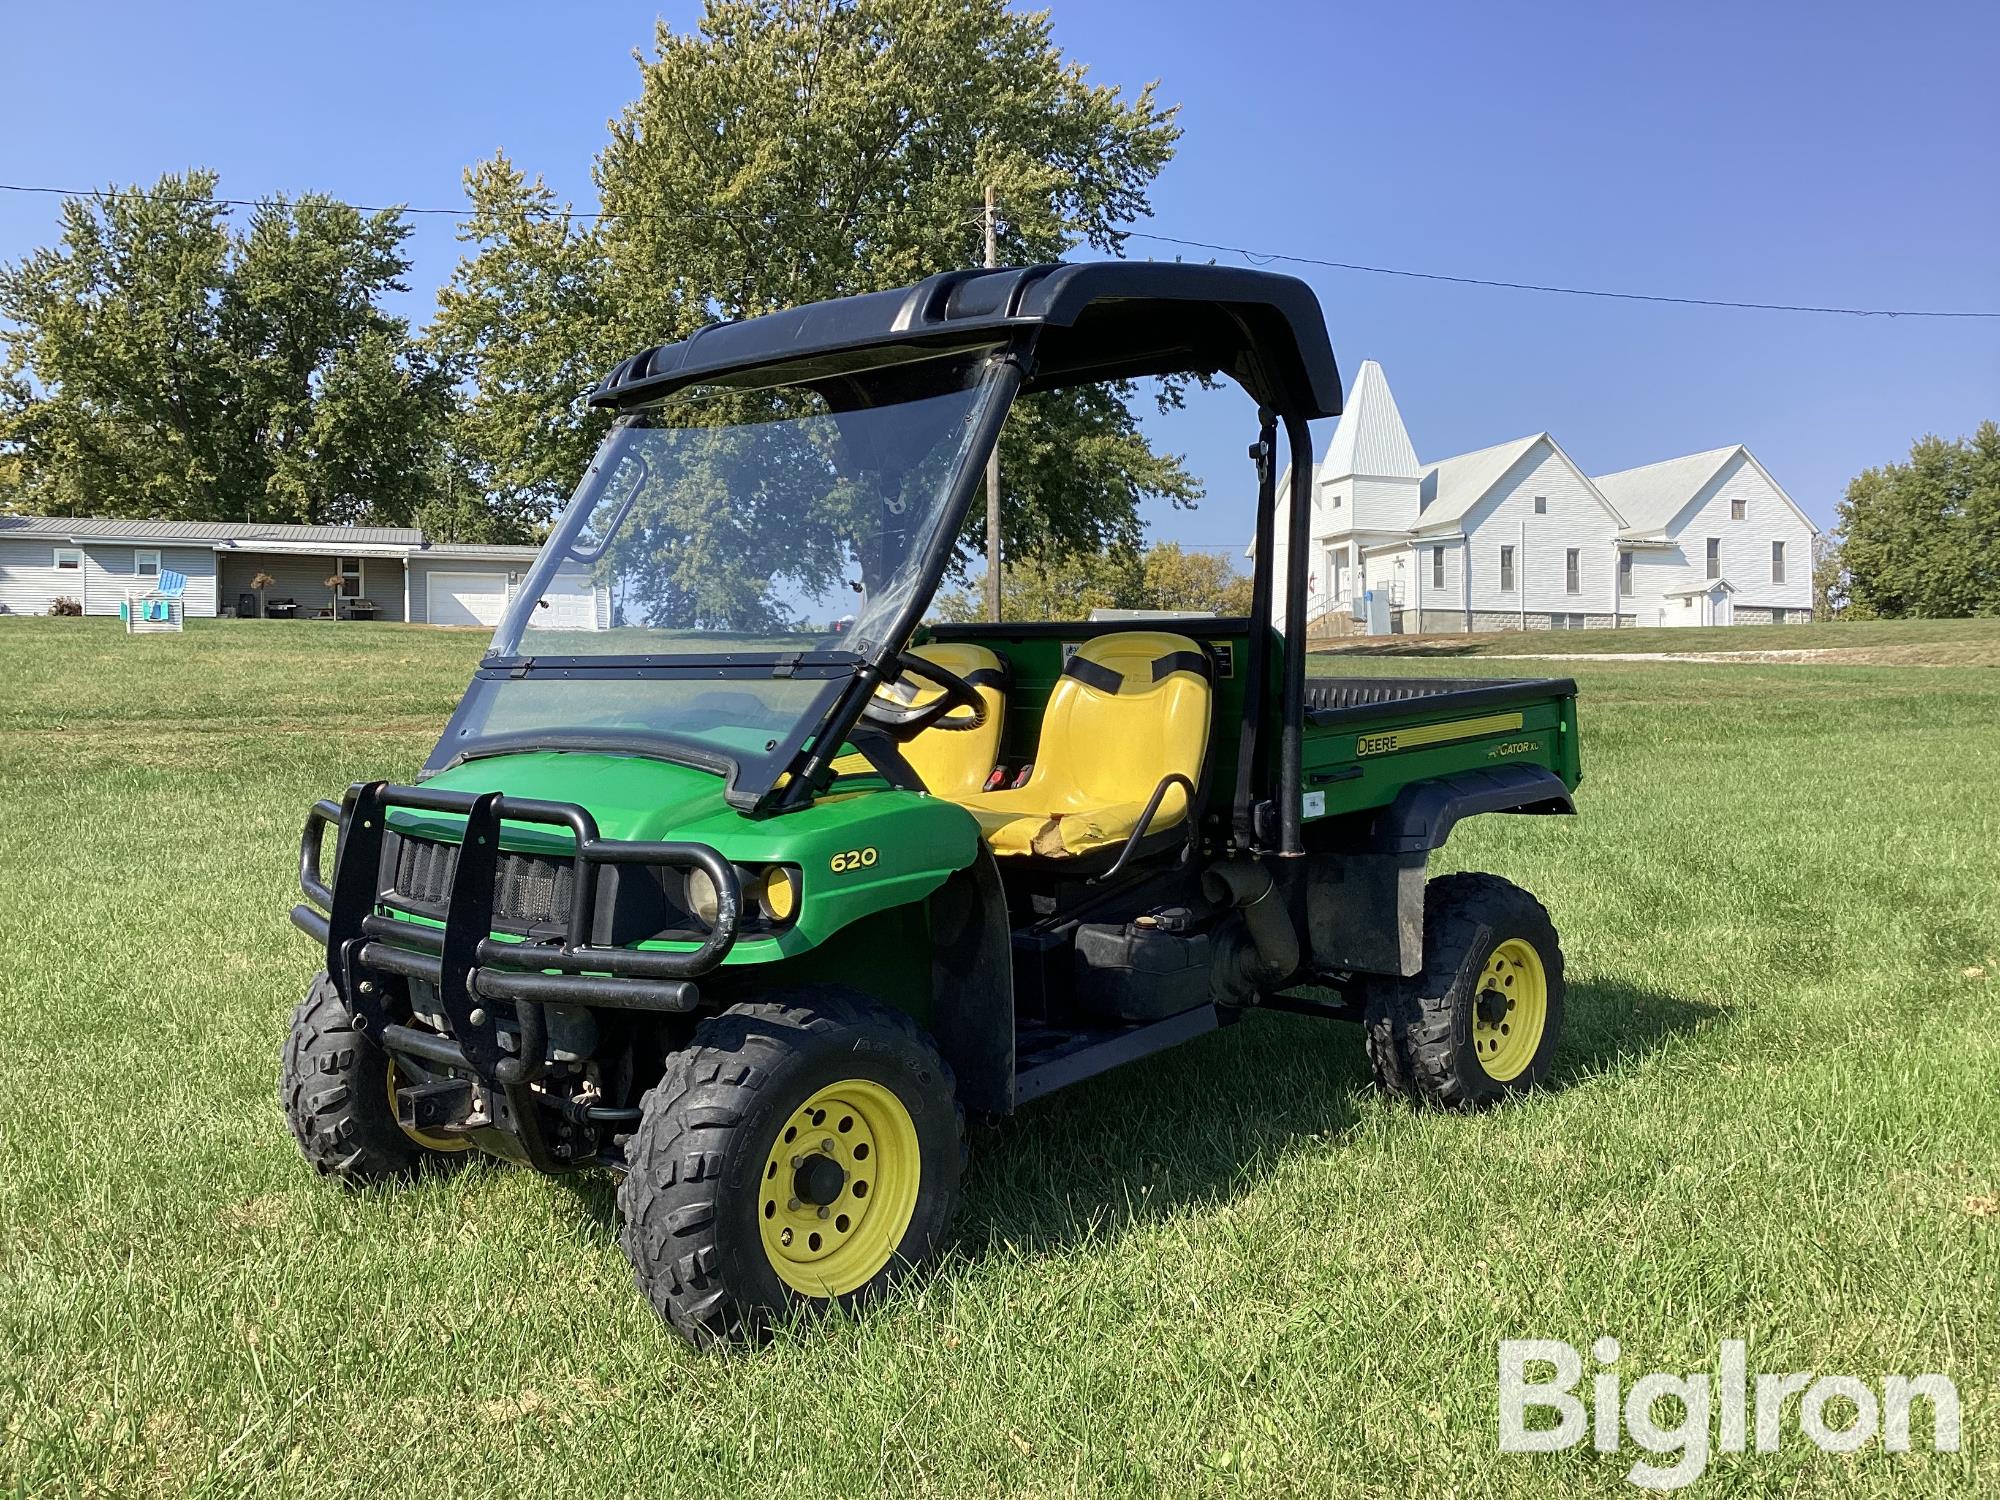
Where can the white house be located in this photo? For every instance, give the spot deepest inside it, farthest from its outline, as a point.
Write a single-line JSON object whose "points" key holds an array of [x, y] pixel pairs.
{"points": [[395, 572], [1518, 536]]}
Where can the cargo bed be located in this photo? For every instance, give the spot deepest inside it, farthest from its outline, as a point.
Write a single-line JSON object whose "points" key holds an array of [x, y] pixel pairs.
{"points": [[1366, 738]]}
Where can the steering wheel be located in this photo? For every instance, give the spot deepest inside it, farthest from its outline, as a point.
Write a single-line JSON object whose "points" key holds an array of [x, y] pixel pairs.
{"points": [[906, 720]]}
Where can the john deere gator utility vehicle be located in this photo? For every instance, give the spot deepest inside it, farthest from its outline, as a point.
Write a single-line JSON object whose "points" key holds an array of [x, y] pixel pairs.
{"points": [[731, 875]]}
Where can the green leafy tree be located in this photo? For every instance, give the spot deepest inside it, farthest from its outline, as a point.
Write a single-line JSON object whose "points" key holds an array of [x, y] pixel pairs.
{"points": [[1922, 539], [114, 342], [786, 151], [1070, 587], [529, 321], [1173, 579], [160, 364]]}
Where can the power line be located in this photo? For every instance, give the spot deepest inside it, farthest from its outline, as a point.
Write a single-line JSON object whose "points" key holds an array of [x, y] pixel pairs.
{"points": [[148, 195], [1265, 257], [1255, 257]]}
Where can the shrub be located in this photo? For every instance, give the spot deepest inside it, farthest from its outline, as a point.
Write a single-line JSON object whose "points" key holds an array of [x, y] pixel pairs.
{"points": [[65, 607]]}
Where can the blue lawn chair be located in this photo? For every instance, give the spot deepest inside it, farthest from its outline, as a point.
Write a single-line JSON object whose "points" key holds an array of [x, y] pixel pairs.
{"points": [[160, 607]]}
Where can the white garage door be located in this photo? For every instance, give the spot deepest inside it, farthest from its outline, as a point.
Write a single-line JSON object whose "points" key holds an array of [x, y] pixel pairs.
{"points": [[466, 598], [567, 604]]}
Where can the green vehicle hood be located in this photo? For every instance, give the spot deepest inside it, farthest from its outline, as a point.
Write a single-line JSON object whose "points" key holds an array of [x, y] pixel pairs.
{"points": [[630, 796], [857, 852]]}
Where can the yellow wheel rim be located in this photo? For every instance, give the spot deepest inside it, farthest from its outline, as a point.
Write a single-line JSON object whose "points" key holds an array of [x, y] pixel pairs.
{"points": [[422, 1137], [1510, 1009], [839, 1188]]}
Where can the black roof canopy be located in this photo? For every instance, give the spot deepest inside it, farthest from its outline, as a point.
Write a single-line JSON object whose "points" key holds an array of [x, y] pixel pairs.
{"points": [[1101, 320]]}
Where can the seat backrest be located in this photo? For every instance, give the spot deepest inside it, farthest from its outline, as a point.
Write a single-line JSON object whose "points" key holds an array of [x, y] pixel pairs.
{"points": [[1128, 709], [955, 763]]}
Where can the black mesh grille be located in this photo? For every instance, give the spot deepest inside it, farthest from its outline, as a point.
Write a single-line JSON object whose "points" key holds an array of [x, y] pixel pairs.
{"points": [[423, 871], [528, 890]]}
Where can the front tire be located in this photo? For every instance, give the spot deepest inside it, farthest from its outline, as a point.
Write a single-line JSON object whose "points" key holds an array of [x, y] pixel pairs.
{"points": [[338, 1089], [1480, 1023], [797, 1154]]}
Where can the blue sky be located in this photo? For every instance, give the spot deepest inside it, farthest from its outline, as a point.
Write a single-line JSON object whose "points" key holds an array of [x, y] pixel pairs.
{"points": [[1820, 153]]}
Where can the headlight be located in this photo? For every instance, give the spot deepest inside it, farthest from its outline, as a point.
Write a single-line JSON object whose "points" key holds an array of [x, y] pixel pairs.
{"points": [[771, 892], [704, 900], [777, 894]]}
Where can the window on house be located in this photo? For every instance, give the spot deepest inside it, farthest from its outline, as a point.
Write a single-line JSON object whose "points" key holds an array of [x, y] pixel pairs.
{"points": [[1737, 508], [1506, 570], [1573, 570], [1715, 557], [1625, 574], [1335, 502], [1541, 505], [1687, 601], [350, 576], [69, 559], [1437, 567], [1777, 562], [146, 562]]}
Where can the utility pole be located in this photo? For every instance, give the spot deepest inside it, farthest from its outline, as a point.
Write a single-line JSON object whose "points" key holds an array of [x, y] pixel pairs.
{"points": [[992, 463]]}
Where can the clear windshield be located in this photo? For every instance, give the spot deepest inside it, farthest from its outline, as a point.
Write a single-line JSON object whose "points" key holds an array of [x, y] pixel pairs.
{"points": [[789, 519], [730, 559]]}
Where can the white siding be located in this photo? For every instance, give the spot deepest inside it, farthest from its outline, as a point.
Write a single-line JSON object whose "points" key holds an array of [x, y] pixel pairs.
{"points": [[1654, 571], [30, 580], [1746, 544], [1573, 518], [1371, 504]]}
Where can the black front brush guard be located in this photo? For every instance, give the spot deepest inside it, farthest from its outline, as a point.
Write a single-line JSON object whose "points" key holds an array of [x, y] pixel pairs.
{"points": [[468, 967]]}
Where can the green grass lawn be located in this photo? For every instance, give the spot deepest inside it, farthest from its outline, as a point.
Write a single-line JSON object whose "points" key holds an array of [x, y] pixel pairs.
{"points": [[1855, 642], [1230, 1269]]}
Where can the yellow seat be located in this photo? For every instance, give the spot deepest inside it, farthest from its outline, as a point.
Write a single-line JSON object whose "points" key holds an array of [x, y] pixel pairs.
{"points": [[1128, 710], [955, 763]]}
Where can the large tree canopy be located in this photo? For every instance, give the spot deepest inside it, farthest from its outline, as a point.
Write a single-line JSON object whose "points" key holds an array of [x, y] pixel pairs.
{"points": [[787, 151], [161, 363], [1923, 538]]}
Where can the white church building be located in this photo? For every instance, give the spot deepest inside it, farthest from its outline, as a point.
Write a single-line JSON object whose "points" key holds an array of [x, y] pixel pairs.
{"points": [[1516, 536]]}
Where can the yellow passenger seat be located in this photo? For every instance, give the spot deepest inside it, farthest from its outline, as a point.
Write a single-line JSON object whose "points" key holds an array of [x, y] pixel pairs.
{"points": [[955, 763], [1129, 710]]}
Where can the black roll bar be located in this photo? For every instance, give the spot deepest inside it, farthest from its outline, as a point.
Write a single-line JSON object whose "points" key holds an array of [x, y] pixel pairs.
{"points": [[1291, 785]]}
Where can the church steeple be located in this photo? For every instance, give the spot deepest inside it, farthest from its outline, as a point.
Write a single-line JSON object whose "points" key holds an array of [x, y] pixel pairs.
{"points": [[1370, 478]]}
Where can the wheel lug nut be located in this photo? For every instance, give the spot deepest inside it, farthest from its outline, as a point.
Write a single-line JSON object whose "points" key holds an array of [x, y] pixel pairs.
{"points": [[793, 1205], [824, 1211], [827, 1145], [797, 1160]]}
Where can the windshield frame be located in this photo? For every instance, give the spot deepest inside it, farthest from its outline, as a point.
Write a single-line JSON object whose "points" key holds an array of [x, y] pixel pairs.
{"points": [[817, 735]]}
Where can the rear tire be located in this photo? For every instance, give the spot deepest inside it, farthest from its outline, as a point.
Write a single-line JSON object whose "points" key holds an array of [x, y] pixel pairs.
{"points": [[338, 1091], [1480, 1023], [734, 1209]]}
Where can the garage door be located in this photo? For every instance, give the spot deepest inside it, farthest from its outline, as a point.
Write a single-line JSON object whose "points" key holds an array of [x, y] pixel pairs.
{"points": [[566, 604], [465, 598]]}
